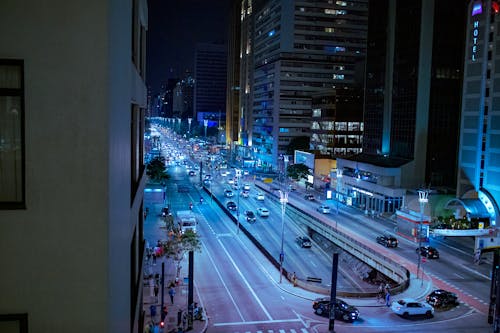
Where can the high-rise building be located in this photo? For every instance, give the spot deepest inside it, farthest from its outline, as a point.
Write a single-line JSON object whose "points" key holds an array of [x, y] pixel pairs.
{"points": [[412, 103], [233, 117], [478, 184], [182, 98], [413, 85], [210, 76], [298, 48], [72, 176]]}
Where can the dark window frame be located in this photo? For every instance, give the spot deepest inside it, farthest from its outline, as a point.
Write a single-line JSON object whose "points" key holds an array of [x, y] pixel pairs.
{"points": [[17, 92]]}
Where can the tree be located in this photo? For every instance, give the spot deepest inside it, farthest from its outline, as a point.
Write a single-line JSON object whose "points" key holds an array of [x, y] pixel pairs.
{"points": [[297, 171], [298, 143], [155, 169], [178, 244]]}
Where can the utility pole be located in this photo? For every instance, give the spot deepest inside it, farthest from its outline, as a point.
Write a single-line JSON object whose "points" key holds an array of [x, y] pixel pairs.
{"points": [[333, 293]]}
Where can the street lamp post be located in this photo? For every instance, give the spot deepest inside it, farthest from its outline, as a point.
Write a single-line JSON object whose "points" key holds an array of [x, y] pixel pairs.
{"points": [[422, 199], [238, 176], [283, 200], [189, 126], [205, 124]]}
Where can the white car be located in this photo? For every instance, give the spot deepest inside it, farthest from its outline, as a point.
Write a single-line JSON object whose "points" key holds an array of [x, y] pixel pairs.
{"points": [[264, 212], [260, 196], [407, 307], [324, 209], [246, 187], [245, 194]]}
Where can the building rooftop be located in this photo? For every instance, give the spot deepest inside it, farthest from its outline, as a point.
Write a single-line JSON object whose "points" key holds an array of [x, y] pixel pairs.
{"points": [[378, 160]]}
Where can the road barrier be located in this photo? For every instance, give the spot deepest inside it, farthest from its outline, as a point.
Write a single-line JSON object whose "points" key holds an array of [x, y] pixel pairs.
{"points": [[313, 279]]}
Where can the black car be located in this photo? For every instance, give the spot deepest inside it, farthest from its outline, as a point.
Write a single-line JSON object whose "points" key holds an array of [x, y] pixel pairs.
{"points": [[250, 216], [309, 197], [192, 173], [387, 241], [343, 311], [442, 298], [303, 241], [428, 252], [231, 205]]}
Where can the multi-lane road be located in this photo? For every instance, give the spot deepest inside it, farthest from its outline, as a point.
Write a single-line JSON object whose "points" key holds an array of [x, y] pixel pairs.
{"points": [[240, 289]]}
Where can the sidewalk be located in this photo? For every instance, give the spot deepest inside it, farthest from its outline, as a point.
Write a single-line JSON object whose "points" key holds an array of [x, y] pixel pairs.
{"points": [[176, 317]]}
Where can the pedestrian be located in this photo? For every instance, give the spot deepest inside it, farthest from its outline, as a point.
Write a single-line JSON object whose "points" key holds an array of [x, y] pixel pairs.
{"points": [[156, 290], [380, 295], [171, 292], [154, 258], [294, 279], [164, 312], [388, 298]]}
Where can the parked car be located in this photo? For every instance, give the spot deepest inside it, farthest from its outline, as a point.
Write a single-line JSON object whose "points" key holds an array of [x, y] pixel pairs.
{"points": [[228, 193], [250, 216], [303, 241], [442, 298], [324, 209], [231, 205], [309, 197], [407, 307], [343, 311], [260, 196], [387, 241], [428, 252], [264, 212]]}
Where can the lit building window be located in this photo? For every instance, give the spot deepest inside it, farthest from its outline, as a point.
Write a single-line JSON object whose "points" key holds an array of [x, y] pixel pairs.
{"points": [[338, 76]]}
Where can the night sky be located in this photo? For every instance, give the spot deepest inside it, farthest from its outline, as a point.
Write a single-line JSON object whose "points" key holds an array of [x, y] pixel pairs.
{"points": [[174, 28]]}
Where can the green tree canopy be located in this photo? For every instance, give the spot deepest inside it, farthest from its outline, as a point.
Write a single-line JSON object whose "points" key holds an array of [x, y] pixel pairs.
{"points": [[156, 169], [297, 171]]}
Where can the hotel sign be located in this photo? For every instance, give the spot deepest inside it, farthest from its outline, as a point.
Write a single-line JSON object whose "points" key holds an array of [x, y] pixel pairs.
{"points": [[477, 9]]}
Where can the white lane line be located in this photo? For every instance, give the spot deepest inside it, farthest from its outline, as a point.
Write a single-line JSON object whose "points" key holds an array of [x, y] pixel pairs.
{"points": [[476, 272], [259, 322], [245, 281], [460, 276], [223, 283]]}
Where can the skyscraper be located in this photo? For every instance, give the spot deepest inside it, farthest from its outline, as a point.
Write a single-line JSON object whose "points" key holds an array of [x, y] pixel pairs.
{"points": [[297, 48], [210, 76], [478, 184], [72, 176], [413, 85]]}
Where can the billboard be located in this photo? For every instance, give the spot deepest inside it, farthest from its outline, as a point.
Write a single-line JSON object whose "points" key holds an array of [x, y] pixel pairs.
{"points": [[304, 158]]}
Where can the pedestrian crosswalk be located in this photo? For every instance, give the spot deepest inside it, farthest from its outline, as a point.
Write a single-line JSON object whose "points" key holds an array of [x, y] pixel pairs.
{"points": [[291, 330]]}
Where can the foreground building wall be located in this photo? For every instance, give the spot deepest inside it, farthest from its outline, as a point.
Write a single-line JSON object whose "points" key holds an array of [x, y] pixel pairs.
{"points": [[72, 101]]}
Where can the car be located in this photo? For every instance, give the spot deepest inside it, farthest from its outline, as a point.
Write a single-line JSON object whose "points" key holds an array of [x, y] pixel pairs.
{"points": [[236, 186], [343, 311], [250, 216], [228, 193], [246, 187], [428, 252], [231, 205], [387, 241], [192, 173], [246, 172], [208, 177], [264, 212], [230, 181], [260, 196], [303, 241], [324, 209], [245, 194], [309, 197], [442, 298], [407, 307]]}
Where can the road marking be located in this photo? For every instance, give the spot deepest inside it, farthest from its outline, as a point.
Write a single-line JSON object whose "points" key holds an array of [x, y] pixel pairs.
{"points": [[460, 276], [223, 283], [245, 281], [258, 322]]}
